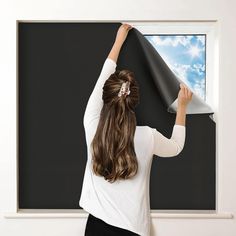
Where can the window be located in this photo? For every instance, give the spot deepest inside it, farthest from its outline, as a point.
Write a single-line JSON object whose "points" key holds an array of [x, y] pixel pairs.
{"points": [[185, 55], [190, 51]]}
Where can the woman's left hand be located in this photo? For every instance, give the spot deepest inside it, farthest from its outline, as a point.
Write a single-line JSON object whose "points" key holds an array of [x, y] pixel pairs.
{"points": [[122, 33]]}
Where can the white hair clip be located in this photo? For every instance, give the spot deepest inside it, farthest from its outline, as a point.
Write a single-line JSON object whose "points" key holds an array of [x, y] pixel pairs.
{"points": [[124, 89]]}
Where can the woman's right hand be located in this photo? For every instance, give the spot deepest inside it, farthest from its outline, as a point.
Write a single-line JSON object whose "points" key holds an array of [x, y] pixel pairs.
{"points": [[184, 95], [122, 33]]}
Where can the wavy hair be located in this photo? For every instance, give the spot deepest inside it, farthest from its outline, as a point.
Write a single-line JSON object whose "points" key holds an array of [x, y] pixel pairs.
{"points": [[113, 152]]}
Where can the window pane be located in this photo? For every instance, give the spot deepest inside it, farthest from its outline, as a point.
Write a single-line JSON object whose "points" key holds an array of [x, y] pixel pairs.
{"points": [[186, 57]]}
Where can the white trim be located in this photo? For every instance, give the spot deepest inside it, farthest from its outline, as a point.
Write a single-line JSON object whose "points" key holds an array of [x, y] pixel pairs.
{"points": [[210, 28], [62, 213]]}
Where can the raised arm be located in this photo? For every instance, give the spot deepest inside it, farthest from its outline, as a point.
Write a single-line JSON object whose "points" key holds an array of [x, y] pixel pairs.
{"points": [[95, 102], [168, 147], [120, 38]]}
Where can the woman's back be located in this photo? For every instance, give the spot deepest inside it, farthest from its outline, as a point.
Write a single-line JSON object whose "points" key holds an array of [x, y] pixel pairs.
{"points": [[125, 203]]}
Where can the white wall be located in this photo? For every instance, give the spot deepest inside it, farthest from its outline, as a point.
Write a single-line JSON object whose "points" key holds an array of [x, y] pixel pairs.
{"points": [[221, 10]]}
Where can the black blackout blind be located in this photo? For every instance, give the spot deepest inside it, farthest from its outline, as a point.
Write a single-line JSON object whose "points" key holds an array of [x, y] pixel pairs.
{"points": [[58, 66]]}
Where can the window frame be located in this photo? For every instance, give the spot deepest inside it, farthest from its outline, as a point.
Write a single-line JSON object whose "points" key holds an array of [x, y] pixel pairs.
{"points": [[210, 28]]}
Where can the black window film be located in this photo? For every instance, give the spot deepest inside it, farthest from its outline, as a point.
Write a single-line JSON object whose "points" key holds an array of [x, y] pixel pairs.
{"points": [[58, 66]]}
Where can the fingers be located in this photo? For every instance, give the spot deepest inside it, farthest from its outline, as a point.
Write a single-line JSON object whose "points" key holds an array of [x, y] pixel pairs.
{"points": [[186, 91], [190, 93], [127, 26], [183, 88]]}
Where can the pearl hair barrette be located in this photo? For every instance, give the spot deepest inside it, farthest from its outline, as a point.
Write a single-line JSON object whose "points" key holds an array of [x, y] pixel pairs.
{"points": [[124, 89]]}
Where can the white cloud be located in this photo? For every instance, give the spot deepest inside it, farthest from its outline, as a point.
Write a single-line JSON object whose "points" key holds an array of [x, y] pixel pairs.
{"points": [[198, 68], [199, 87], [181, 70], [173, 41]]}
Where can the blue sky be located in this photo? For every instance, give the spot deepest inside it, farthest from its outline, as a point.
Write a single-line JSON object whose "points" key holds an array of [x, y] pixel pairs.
{"points": [[185, 55]]}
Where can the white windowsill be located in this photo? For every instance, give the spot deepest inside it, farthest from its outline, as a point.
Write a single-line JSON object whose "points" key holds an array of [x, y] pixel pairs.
{"points": [[70, 213]]}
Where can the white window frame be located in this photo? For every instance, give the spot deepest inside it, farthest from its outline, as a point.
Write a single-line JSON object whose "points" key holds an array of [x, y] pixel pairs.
{"points": [[210, 28]]}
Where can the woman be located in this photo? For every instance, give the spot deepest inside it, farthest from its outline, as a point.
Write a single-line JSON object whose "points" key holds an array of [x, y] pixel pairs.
{"points": [[115, 189]]}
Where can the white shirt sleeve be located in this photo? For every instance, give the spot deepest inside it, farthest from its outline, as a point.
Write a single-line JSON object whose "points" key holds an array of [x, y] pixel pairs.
{"points": [[168, 147], [95, 102]]}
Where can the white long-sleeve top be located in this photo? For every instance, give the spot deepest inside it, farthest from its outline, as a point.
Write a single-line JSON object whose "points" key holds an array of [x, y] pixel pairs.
{"points": [[124, 203]]}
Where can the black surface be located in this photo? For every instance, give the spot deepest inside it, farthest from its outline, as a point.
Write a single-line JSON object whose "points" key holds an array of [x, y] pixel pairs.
{"points": [[59, 64]]}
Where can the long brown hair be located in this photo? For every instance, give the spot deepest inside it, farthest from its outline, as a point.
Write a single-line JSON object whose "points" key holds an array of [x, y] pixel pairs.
{"points": [[113, 151]]}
